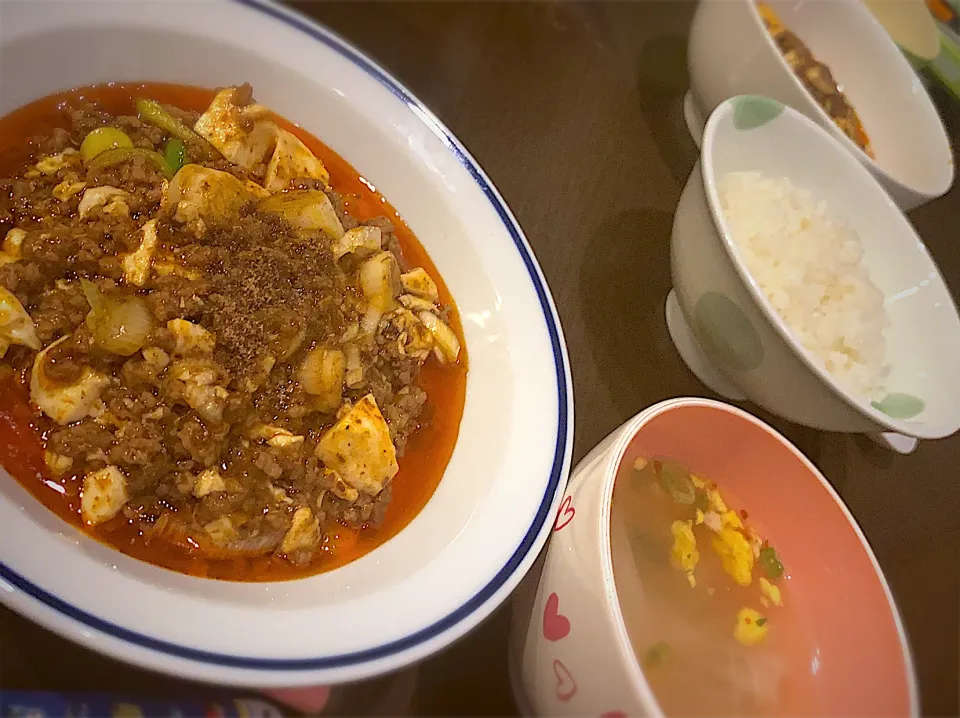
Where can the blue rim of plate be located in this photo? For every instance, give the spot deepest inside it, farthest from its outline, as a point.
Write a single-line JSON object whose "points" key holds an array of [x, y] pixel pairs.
{"points": [[346, 50]]}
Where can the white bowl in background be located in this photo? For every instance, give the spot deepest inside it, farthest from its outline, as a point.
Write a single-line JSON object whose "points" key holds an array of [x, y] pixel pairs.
{"points": [[731, 53], [737, 334], [911, 25], [493, 510]]}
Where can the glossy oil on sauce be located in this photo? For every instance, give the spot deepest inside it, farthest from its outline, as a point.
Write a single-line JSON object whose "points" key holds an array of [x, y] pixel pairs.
{"points": [[428, 450], [683, 636]]}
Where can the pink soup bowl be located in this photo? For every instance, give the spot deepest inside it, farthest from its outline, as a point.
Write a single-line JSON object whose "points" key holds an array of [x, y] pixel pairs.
{"points": [[570, 654]]}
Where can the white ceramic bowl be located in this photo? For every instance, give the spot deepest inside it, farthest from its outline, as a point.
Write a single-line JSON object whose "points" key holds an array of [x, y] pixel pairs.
{"points": [[731, 53], [570, 652], [911, 25], [492, 512], [736, 329]]}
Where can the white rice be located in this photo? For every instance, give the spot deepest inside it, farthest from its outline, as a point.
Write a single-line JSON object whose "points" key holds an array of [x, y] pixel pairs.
{"points": [[809, 266]]}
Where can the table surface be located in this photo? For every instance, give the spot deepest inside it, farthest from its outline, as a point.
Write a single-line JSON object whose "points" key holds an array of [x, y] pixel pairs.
{"points": [[573, 109]]}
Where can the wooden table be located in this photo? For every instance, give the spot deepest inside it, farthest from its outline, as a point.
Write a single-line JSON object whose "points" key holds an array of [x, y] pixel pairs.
{"points": [[573, 109]]}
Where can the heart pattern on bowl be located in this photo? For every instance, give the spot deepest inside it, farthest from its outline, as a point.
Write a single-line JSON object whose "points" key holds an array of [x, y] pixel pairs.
{"points": [[556, 626], [566, 686], [565, 514]]}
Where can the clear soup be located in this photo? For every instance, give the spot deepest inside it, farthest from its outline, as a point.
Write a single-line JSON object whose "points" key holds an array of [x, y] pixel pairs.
{"points": [[698, 588]]}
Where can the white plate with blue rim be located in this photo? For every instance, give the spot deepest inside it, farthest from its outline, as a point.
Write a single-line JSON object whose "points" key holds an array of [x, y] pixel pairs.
{"points": [[494, 508]]}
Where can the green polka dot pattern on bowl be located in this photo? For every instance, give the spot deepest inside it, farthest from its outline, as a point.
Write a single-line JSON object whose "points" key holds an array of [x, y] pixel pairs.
{"points": [[726, 334], [899, 406], [752, 111]]}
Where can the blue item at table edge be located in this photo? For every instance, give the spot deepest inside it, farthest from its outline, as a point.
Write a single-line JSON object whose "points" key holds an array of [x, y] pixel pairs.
{"points": [[43, 704]]}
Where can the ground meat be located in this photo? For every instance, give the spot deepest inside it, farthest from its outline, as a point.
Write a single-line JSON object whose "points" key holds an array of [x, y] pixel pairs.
{"points": [[66, 361], [138, 176], [134, 451], [56, 142], [80, 439], [365, 511], [404, 414], [185, 116], [346, 219], [174, 297], [60, 310]]}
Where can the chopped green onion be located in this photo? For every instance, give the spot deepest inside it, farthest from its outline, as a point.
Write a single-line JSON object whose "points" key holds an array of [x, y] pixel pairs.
{"points": [[124, 154], [120, 325], [153, 112], [656, 653], [761, 621], [102, 139], [93, 295], [675, 480], [175, 153], [770, 563]]}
